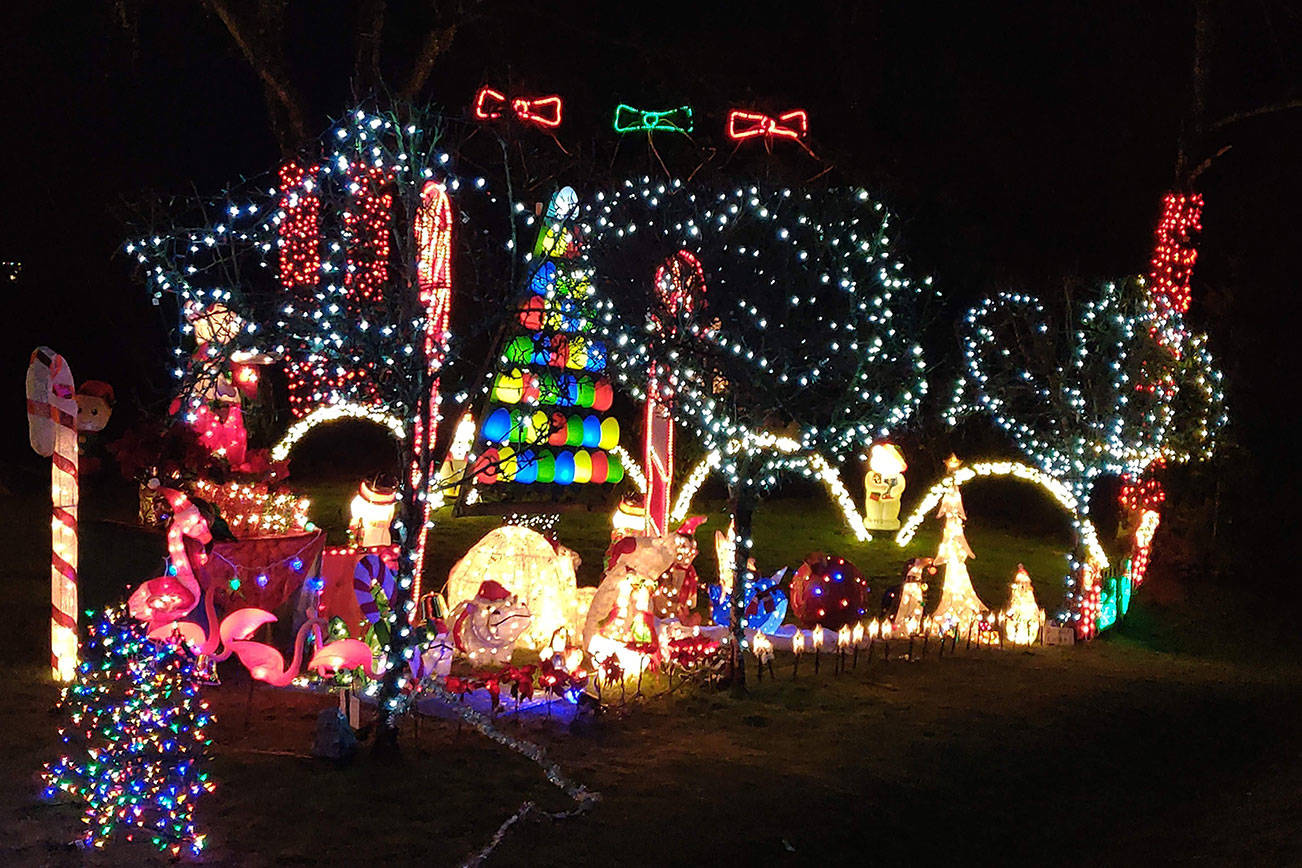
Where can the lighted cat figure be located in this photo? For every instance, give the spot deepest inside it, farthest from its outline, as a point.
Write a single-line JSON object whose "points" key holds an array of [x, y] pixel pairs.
{"points": [[885, 484], [485, 628]]}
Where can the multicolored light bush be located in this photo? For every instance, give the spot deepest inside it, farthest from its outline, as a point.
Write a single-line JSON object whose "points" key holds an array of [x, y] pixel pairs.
{"points": [[135, 739]]}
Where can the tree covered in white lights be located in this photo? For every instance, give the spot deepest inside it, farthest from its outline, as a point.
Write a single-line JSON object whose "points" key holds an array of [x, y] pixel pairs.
{"points": [[1077, 393], [802, 347], [342, 269]]}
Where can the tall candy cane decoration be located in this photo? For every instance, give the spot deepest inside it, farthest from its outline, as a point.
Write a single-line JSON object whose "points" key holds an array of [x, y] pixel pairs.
{"points": [[52, 429], [434, 274], [680, 286]]}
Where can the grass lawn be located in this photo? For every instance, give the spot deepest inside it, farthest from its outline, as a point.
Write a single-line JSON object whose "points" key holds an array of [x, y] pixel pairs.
{"points": [[1177, 738]]}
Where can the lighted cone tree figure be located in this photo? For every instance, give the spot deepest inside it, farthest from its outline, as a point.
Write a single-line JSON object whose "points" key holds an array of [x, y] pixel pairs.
{"points": [[803, 351], [135, 740], [959, 604]]}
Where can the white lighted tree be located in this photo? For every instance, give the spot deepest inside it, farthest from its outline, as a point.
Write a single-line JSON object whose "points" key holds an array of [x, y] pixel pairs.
{"points": [[805, 348]]}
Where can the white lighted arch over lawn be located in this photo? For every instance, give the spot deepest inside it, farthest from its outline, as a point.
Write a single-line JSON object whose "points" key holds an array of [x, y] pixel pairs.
{"points": [[814, 466], [332, 413], [1056, 489]]}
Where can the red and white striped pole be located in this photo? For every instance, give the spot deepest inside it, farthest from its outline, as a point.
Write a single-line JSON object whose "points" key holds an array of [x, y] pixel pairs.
{"points": [[52, 429]]}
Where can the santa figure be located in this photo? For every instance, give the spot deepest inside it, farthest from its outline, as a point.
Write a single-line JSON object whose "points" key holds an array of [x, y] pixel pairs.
{"points": [[885, 484]]}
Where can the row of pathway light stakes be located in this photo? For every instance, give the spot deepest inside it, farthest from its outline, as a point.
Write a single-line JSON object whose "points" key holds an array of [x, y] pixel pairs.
{"points": [[851, 641]]}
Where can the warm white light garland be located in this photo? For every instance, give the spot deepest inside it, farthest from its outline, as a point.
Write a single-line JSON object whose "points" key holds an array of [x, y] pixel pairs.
{"points": [[333, 413]]}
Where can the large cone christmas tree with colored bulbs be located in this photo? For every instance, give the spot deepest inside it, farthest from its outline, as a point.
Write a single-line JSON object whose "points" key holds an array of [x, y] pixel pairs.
{"points": [[544, 423]]}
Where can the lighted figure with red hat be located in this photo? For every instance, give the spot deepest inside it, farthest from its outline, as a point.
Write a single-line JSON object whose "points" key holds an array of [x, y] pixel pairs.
{"points": [[485, 628], [372, 511]]}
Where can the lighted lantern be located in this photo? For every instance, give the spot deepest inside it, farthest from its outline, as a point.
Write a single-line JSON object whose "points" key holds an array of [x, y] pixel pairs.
{"points": [[827, 591], [372, 511], [884, 484], [531, 568], [1023, 619]]}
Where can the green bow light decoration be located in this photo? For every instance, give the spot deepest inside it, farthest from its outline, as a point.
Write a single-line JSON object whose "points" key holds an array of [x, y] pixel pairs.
{"points": [[635, 120]]}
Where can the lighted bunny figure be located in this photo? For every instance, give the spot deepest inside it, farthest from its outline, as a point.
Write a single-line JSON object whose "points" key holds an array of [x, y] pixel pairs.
{"points": [[885, 484], [485, 628]]}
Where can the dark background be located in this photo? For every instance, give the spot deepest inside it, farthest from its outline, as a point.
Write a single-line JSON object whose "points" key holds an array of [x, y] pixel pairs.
{"points": [[1022, 146]]}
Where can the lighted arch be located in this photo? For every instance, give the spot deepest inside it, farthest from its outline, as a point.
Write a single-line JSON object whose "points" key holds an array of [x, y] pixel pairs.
{"points": [[815, 465], [1058, 490], [332, 413]]}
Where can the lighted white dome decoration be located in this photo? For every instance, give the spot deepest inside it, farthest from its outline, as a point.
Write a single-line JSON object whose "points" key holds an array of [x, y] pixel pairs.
{"points": [[525, 563], [333, 413], [1057, 490]]}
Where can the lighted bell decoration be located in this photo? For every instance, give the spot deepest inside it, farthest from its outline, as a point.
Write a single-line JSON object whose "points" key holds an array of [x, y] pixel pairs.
{"points": [[372, 511], [884, 485], [828, 591]]}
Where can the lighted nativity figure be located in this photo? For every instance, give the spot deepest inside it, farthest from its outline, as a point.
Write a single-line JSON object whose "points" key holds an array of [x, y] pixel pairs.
{"points": [[960, 607], [372, 510], [1023, 619], [884, 485]]}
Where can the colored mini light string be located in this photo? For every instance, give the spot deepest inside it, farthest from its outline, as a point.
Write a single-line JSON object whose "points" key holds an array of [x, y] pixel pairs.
{"points": [[135, 739]]}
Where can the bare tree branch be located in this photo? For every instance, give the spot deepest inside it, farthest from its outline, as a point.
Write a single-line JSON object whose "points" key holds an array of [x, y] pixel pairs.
{"points": [[370, 30], [437, 41], [267, 61], [1235, 118]]}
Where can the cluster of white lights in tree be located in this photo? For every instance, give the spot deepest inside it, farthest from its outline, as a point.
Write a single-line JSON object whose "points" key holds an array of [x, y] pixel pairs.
{"points": [[808, 310], [1077, 399]]}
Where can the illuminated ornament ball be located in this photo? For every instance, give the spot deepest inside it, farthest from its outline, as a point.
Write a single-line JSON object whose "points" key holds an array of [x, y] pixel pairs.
{"points": [[828, 591]]}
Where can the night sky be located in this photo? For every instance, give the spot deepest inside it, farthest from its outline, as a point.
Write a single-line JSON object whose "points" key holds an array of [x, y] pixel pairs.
{"points": [[1023, 147]]}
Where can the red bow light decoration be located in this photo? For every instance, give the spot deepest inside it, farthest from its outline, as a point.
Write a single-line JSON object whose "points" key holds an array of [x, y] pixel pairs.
{"points": [[747, 125], [542, 111]]}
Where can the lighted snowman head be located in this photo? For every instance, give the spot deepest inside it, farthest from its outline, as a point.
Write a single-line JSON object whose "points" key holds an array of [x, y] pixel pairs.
{"points": [[886, 460]]}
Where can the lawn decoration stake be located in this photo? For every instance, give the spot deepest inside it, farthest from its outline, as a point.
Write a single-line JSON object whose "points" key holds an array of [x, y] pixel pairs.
{"points": [[52, 429]]}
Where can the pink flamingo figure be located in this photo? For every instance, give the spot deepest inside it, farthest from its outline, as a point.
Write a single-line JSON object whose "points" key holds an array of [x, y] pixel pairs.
{"points": [[171, 597], [344, 654], [266, 663]]}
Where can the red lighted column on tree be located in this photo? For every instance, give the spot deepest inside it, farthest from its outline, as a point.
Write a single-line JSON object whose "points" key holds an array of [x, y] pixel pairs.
{"points": [[680, 287]]}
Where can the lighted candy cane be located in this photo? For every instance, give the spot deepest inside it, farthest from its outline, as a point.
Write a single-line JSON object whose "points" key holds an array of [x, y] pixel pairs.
{"points": [[371, 572], [52, 429], [680, 286], [434, 273]]}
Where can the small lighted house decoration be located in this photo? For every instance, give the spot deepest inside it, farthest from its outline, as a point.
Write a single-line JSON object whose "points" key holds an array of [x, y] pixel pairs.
{"points": [[960, 606], [1023, 619], [532, 568], [827, 591], [372, 510], [884, 485], [486, 627]]}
